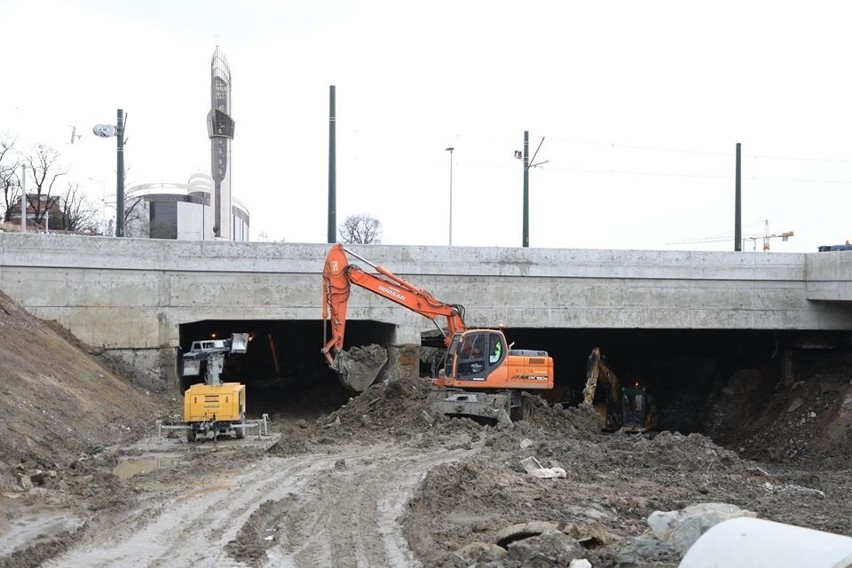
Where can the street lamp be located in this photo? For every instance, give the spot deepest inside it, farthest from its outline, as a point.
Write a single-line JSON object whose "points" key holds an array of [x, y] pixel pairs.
{"points": [[450, 150], [107, 131]]}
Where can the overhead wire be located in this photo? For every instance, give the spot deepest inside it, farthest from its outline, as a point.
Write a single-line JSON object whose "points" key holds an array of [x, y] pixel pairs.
{"points": [[658, 173]]}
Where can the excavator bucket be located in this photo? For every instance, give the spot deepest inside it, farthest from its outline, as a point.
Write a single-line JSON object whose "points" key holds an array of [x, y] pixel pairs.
{"points": [[358, 367]]}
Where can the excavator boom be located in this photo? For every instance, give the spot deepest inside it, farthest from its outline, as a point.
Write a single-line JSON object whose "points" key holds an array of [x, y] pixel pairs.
{"points": [[357, 373], [339, 274]]}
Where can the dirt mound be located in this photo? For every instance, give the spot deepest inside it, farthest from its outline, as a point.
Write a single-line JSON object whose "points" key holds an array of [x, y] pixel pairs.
{"points": [[393, 408], [62, 402], [807, 419], [613, 483]]}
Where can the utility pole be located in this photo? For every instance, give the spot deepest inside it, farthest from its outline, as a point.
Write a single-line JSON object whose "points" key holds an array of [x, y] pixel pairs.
{"points": [[450, 150], [119, 184], [527, 165], [526, 239], [117, 130], [25, 202], [332, 171], [738, 246]]}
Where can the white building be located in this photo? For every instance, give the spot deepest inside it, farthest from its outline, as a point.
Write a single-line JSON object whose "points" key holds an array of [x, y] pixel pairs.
{"points": [[181, 211]]}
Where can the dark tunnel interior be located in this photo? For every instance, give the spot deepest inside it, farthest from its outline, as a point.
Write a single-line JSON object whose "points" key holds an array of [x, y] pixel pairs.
{"points": [[283, 368], [285, 372]]}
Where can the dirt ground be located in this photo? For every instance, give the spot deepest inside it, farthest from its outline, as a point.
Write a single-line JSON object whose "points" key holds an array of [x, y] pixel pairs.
{"points": [[382, 481]]}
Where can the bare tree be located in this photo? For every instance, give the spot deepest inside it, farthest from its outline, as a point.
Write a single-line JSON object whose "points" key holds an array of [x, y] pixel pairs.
{"points": [[136, 218], [42, 164], [76, 214], [361, 229], [10, 182]]}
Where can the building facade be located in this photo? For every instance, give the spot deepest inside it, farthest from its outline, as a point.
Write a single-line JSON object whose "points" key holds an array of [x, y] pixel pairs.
{"points": [[183, 211], [204, 207]]}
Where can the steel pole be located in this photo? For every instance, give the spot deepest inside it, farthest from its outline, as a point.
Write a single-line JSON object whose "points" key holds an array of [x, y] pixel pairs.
{"points": [[450, 150], [119, 176], [25, 202], [526, 241], [332, 171], [738, 232]]}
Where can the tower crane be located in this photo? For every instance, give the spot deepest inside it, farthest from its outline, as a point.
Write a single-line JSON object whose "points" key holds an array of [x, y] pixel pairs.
{"points": [[765, 237]]}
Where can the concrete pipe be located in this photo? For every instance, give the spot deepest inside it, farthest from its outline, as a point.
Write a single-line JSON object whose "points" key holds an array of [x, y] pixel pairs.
{"points": [[747, 542]]}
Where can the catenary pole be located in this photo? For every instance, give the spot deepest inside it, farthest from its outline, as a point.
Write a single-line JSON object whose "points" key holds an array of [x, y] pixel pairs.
{"points": [[526, 240], [332, 171], [119, 177], [738, 237]]}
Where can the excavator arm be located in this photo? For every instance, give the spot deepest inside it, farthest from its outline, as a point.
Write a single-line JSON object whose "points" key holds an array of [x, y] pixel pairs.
{"points": [[597, 371], [339, 275], [626, 408]]}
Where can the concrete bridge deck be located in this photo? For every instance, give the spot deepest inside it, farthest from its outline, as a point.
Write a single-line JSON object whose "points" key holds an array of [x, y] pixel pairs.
{"points": [[130, 296]]}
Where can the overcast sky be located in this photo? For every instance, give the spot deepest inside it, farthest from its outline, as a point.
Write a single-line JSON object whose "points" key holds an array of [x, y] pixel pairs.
{"points": [[640, 105]]}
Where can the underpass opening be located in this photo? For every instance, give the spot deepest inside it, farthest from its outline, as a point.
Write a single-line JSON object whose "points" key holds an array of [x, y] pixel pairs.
{"points": [[284, 370], [722, 383]]}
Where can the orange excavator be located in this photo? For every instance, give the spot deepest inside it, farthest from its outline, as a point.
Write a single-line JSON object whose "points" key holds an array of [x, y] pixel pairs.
{"points": [[480, 375]]}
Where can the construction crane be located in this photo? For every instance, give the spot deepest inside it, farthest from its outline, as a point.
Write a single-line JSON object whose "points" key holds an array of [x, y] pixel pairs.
{"points": [[765, 237]]}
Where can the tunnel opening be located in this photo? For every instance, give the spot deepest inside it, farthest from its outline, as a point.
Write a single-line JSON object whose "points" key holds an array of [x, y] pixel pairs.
{"points": [[283, 369], [712, 382]]}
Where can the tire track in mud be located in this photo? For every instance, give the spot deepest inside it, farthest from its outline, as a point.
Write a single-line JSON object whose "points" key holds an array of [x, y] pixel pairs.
{"points": [[191, 528], [349, 516], [339, 508]]}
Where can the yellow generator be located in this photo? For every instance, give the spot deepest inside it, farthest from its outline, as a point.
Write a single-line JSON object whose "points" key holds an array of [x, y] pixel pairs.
{"points": [[220, 409], [214, 407]]}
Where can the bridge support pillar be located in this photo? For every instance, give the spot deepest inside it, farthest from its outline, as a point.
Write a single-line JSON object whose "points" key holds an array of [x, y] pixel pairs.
{"points": [[403, 361]]}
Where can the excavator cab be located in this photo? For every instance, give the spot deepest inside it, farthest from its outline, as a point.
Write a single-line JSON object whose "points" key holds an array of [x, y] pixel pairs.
{"points": [[480, 360], [482, 356], [638, 412], [474, 354]]}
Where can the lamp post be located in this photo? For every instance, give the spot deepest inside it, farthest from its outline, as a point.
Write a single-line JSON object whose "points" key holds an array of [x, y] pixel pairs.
{"points": [[450, 150], [107, 131]]}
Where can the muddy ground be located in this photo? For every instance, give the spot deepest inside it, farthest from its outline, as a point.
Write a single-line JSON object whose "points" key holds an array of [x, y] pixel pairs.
{"points": [[84, 480]]}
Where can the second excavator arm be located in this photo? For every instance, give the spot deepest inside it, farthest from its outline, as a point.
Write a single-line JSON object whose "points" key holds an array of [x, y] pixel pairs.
{"points": [[338, 275], [595, 370]]}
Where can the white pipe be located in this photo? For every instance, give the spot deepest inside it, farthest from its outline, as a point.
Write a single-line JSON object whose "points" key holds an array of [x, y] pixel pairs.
{"points": [[747, 542]]}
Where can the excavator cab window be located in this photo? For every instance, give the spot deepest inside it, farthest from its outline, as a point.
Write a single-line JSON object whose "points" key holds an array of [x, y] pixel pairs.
{"points": [[471, 355], [496, 349]]}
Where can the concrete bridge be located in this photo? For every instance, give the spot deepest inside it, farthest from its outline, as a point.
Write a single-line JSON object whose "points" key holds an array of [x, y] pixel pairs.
{"points": [[138, 300]]}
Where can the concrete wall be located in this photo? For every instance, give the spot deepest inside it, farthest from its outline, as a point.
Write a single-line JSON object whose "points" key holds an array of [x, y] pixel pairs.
{"points": [[828, 276], [129, 296]]}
